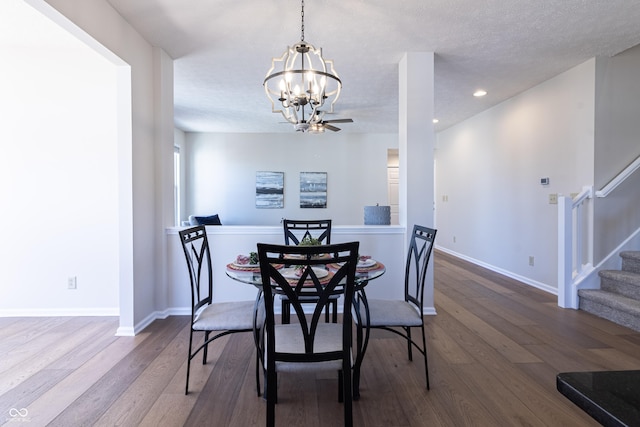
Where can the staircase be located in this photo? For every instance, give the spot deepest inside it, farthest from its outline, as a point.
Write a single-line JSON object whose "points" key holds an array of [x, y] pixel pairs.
{"points": [[618, 298]]}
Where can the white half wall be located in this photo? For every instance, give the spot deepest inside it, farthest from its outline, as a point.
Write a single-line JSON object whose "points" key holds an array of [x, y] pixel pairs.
{"points": [[383, 243]]}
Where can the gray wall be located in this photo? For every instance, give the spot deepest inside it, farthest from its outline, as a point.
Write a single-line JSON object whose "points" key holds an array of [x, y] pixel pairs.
{"points": [[221, 174], [617, 144]]}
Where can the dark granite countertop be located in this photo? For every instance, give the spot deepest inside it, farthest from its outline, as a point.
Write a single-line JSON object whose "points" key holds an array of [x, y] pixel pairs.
{"points": [[611, 397]]}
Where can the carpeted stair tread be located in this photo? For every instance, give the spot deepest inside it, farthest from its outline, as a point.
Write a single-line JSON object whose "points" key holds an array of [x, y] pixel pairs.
{"points": [[618, 298], [617, 308], [611, 299]]}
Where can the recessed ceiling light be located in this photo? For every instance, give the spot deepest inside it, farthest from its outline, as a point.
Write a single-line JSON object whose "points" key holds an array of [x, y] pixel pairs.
{"points": [[479, 93], [435, 120]]}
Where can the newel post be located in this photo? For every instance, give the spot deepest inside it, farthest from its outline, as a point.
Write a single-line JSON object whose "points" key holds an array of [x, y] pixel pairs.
{"points": [[566, 294]]}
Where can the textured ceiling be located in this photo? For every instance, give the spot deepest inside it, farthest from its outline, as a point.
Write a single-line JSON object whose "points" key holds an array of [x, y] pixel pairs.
{"points": [[223, 49]]}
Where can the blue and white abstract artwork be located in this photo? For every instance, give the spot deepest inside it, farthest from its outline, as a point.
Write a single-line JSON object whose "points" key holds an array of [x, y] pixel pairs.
{"points": [[313, 189], [269, 190]]}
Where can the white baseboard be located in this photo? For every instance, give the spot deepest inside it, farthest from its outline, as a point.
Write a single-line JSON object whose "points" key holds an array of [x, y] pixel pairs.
{"points": [[429, 311], [59, 312], [525, 280]]}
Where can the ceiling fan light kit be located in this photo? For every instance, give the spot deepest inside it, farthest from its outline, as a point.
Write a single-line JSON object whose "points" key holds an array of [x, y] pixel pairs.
{"points": [[301, 82]]}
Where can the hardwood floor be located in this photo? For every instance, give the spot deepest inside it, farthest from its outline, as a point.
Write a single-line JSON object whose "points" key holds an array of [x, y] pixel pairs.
{"points": [[495, 348]]}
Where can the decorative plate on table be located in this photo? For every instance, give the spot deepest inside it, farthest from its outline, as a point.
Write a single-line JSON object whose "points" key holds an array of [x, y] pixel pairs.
{"points": [[236, 264], [290, 273], [363, 263], [366, 263], [249, 267]]}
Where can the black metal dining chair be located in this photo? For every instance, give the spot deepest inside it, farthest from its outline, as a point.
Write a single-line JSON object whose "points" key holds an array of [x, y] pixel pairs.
{"points": [[399, 316], [298, 232], [308, 344], [295, 231], [207, 316]]}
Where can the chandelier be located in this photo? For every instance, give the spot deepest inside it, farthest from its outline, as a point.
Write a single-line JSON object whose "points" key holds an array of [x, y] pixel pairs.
{"points": [[300, 82]]}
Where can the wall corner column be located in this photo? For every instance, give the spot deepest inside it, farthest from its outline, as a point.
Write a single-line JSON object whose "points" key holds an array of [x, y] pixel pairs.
{"points": [[416, 145]]}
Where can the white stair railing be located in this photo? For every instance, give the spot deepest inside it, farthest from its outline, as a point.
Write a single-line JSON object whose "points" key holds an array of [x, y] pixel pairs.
{"points": [[575, 244], [575, 237]]}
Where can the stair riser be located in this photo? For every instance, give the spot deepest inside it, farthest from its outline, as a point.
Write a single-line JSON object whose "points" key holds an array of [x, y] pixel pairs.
{"points": [[632, 265], [616, 316], [622, 288]]}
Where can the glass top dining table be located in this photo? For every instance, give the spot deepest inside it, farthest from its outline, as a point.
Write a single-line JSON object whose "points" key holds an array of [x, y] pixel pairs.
{"points": [[365, 272], [250, 274]]}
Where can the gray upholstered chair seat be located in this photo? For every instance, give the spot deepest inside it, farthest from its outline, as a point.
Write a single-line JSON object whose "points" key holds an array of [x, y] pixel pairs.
{"points": [[289, 340], [215, 320], [400, 316], [393, 313], [223, 316]]}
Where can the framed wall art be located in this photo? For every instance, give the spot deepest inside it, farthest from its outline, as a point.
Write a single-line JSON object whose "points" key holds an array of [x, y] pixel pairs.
{"points": [[269, 190], [313, 189]]}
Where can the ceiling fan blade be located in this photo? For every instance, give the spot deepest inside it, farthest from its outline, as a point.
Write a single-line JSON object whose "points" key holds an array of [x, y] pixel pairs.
{"points": [[339, 121], [328, 126]]}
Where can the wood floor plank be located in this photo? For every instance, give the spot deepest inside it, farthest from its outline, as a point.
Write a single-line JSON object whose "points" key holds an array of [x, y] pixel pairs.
{"points": [[92, 404], [559, 412], [134, 403], [27, 391], [616, 359], [507, 375], [103, 335], [454, 399], [382, 377], [448, 347], [495, 348], [172, 408], [502, 343], [59, 397], [220, 393], [26, 330], [35, 355]]}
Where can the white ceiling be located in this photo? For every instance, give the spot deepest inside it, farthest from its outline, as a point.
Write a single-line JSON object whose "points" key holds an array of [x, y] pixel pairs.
{"points": [[223, 49]]}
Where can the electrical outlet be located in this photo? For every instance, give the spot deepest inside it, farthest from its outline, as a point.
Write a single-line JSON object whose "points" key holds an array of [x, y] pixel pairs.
{"points": [[72, 282], [553, 199], [531, 260]]}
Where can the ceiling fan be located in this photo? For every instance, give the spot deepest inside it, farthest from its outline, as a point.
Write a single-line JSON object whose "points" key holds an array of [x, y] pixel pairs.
{"points": [[319, 127], [316, 125], [326, 124]]}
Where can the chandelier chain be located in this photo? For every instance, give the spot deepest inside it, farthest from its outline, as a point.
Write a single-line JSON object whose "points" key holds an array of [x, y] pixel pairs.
{"points": [[302, 20]]}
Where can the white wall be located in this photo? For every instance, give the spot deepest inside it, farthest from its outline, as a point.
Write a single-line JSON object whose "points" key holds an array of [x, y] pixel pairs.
{"points": [[490, 206], [141, 229], [221, 173], [58, 170]]}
